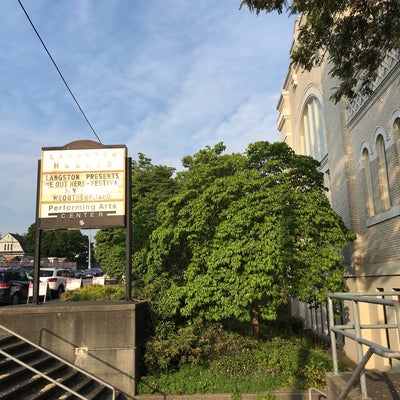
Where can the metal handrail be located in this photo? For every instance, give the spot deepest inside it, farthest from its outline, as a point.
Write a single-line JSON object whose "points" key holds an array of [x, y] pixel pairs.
{"points": [[113, 391], [357, 327], [315, 390]]}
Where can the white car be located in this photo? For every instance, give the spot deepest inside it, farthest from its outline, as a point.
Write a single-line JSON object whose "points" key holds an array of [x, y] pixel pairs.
{"points": [[56, 279]]}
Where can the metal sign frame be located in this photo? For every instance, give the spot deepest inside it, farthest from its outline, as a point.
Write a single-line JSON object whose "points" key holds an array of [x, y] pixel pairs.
{"points": [[84, 185]]}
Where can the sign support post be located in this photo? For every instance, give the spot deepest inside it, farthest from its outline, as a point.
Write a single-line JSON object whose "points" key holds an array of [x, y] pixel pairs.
{"points": [[128, 243], [38, 235]]}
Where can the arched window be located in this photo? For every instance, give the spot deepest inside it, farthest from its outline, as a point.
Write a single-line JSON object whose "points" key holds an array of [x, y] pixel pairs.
{"points": [[368, 184], [396, 133], [383, 172], [313, 137]]}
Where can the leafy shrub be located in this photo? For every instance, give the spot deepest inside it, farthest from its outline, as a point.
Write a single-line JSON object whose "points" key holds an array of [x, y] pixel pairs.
{"points": [[211, 359], [315, 366], [194, 343], [185, 346], [285, 324], [95, 293]]}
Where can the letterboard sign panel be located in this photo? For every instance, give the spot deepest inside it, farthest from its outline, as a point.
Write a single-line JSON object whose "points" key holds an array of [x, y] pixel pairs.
{"points": [[82, 185]]}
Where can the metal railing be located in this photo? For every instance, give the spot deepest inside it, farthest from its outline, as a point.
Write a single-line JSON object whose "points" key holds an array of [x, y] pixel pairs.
{"points": [[311, 390], [43, 375], [355, 330]]}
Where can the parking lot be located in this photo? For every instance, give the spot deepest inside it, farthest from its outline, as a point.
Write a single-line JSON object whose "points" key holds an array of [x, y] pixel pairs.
{"points": [[16, 283]]}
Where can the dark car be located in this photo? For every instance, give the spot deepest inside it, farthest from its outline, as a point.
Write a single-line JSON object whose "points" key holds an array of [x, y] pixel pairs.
{"points": [[79, 273], [91, 272], [14, 285]]}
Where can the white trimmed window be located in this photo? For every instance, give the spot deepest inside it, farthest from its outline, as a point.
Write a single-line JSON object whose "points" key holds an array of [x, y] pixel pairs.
{"points": [[383, 172], [368, 184], [313, 136], [396, 133]]}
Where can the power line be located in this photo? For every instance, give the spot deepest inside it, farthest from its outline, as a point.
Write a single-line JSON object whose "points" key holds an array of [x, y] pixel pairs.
{"points": [[59, 72]]}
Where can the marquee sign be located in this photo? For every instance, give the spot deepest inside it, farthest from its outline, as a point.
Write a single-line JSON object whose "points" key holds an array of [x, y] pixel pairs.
{"points": [[82, 185]]}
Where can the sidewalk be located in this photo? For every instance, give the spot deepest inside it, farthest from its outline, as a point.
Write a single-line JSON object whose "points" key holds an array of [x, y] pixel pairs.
{"points": [[380, 386], [279, 395]]}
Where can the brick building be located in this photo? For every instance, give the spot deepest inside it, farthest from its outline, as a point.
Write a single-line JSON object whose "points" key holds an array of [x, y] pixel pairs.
{"points": [[358, 145]]}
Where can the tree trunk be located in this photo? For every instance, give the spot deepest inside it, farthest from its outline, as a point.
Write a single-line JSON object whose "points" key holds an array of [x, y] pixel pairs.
{"points": [[255, 320]]}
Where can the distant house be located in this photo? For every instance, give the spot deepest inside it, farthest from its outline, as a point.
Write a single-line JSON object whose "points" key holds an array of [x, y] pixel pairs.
{"points": [[12, 244], [12, 250], [13, 253]]}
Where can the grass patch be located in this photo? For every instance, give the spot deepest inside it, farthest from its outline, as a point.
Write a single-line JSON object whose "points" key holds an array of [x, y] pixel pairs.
{"points": [[237, 364], [195, 379]]}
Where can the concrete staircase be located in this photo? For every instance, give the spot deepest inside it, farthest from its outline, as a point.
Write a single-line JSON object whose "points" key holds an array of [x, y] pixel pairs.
{"points": [[25, 367]]}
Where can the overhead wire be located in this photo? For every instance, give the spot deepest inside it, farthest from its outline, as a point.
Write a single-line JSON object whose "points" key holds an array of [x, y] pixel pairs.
{"points": [[59, 72]]}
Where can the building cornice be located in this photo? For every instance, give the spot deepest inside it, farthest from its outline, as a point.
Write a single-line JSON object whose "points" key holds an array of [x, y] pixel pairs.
{"points": [[355, 106]]}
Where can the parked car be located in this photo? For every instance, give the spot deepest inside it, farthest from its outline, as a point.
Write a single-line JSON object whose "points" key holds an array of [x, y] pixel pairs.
{"points": [[14, 285], [56, 279], [91, 272], [79, 273], [29, 269]]}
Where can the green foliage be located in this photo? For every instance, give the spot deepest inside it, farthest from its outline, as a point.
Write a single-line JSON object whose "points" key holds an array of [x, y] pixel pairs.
{"points": [[198, 379], [230, 241], [234, 363], [245, 232], [285, 323], [95, 293], [355, 35], [59, 243], [185, 346], [151, 185], [110, 251]]}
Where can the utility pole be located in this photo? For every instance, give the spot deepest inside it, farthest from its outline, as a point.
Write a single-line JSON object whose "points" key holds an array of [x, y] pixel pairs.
{"points": [[90, 250]]}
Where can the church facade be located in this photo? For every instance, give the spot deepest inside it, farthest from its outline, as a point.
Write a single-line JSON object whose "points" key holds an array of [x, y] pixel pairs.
{"points": [[358, 145]]}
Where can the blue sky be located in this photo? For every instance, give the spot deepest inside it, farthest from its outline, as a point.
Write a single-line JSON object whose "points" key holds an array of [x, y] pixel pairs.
{"points": [[164, 77]]}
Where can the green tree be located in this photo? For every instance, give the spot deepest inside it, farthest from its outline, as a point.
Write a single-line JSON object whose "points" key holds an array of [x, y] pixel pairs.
{"points": [[151, 185], [110, 251], [59, 243], [245, 232], [355, 34]]}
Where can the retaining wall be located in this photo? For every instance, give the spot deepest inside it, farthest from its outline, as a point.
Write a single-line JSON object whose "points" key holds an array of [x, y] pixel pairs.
{"points": [[106, 339]]}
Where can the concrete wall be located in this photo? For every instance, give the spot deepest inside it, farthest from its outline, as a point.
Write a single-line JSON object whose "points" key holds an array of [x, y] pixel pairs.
{"points": [[112, 333]]}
